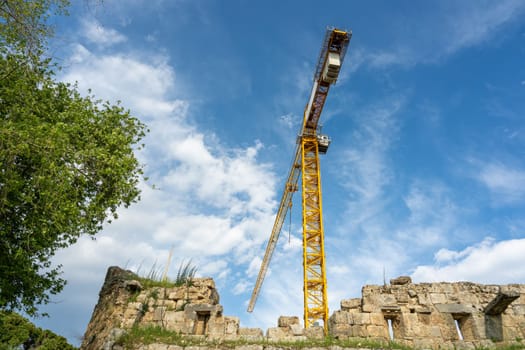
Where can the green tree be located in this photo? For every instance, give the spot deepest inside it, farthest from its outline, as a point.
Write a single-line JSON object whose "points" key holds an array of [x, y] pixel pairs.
{"points": [[19, 333], [66, 162], [24, 27]]}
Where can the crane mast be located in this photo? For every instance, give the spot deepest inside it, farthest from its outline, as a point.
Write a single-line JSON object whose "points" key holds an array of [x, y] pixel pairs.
{"points": [[306, 163]]}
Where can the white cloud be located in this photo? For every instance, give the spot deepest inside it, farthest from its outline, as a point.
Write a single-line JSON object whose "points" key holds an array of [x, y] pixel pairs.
{"points": [[448, 29], [254, 266], [225, 180], [486, 262], [506, 183], [364, 169], [432, 215], [143, 86], [241, 287], [213, 267], [99, 35], [204, 187], [214, 202], [475, 23], [288, 120]]}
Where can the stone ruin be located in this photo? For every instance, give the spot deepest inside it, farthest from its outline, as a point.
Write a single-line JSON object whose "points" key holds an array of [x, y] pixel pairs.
{"points": [[426, 315], [434, 315]]}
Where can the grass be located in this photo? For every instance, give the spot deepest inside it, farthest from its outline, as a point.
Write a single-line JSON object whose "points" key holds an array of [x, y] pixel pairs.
{"points": [[155, 334], [148, 335], [185, 274], [153, 278]]}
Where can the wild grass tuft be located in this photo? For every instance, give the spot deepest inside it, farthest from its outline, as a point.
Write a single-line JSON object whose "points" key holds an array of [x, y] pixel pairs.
{"points": [[185, 274], [154, 277]]}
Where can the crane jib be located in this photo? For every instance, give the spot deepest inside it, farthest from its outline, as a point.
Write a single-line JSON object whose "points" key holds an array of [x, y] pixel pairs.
{"points": [[306, 162]]}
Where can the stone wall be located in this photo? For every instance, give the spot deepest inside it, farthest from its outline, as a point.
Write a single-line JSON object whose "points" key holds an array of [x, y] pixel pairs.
{"points": [[191, 310], [434, 315], [426, 315]]}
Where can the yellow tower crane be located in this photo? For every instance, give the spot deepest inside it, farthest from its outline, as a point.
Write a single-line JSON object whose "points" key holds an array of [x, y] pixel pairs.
{"points": [[306, 162]]}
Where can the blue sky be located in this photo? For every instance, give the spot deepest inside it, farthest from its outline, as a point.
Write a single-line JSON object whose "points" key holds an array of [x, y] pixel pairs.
{"points": [[425, 176]]}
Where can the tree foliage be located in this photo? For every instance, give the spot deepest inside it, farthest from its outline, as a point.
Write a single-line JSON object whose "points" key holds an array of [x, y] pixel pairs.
{"points": [[24, 27], [66, 164], [19, 333]]}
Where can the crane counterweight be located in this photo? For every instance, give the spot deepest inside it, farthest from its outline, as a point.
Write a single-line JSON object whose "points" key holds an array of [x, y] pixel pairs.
{"points": [[306, 164]]}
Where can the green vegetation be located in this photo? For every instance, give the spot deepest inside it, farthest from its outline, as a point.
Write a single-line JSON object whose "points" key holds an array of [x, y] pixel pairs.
{"points": [[155, 334], [185, 274], [148, 335], [67, 161], [153, 278], [18, 333]]}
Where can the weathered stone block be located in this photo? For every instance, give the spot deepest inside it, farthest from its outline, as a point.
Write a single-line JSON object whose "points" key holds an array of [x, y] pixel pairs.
{"points": [[421, 343], [341, 331], [435, 331], [159, 313], [359, 331], [361, 319], [231, 325], [438, 298], [491, 288], [173, 316], [141, 297], [216, 326], [377, 318], [134, 305], [348, 304], [251, 334], [454, 308], [278, 333], [401, 280], [422, 310], [339, 317], [180, 304], [423, 298], [410, 323], [387, 299], [131, 313], [177, 294], [424, 318], [286, 321], [314, 332], [518, 309], [377, 331], [401, 297], [296, 329], [463, 345], [371, 308], [132, 286]]}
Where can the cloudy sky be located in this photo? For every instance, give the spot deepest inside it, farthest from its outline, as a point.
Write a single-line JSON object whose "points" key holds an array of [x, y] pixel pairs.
{"points": [[425, 176]]}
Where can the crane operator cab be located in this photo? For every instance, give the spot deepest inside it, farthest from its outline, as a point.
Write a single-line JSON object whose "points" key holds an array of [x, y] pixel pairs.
{"points": [[323, 141], [331, 68]]}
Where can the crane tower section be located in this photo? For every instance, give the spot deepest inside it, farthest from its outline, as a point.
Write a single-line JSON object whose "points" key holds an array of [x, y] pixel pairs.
{"points": [[306, 163]]}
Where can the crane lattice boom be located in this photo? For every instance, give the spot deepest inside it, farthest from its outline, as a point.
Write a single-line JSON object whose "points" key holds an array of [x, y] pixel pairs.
{"points": [[306, 162]]}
